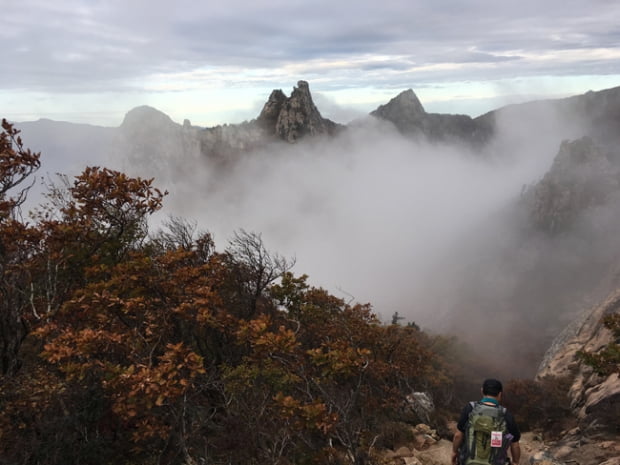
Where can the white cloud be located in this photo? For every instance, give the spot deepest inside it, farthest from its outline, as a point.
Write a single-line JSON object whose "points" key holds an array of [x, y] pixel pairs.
{"points": [[140, 48]]}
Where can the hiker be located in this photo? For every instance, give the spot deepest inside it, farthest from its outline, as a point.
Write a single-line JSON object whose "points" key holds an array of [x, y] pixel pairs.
{"points": [[486, 430]]}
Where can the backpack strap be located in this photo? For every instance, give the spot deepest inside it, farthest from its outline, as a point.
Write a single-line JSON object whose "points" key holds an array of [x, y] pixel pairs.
{"points": [[469, 450]]}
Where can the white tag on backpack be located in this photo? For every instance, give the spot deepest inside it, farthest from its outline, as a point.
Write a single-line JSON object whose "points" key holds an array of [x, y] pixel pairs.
{"points": [[496, 439]]}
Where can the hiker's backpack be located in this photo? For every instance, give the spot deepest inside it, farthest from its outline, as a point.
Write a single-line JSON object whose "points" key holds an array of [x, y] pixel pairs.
{"points": [[486, 436]]}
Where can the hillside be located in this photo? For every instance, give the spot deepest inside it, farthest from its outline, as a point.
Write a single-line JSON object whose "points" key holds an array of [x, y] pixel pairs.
{"points": [[502, 230]]}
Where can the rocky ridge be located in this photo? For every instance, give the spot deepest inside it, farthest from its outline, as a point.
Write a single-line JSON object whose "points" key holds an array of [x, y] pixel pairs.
{"points": [[408, 115], [292, 119], [595, 114]]}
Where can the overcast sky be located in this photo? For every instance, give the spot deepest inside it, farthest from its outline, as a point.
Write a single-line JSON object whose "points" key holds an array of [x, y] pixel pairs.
{"points": [[216, 61]]}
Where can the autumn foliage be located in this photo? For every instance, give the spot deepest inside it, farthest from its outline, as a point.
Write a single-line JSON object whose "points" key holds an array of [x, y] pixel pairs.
{"points": [[124, 347], [541, 405]]}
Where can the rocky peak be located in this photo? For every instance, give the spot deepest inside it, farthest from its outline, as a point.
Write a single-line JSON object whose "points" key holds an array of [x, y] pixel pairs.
{"points": [[299, 116], [404, 110], [271, 110], [291, 118], [284, 118]]}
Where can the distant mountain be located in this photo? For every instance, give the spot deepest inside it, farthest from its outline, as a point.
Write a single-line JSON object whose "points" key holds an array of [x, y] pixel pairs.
{"points": [[292, 119], [407, 113], [595, 113], [295, 118]]}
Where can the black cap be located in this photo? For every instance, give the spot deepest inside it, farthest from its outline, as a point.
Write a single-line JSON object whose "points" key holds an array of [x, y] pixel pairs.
{"points": [[491, 387]]}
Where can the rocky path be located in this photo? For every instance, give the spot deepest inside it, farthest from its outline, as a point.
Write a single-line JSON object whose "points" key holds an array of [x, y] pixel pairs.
{"points": [[427, 449]]}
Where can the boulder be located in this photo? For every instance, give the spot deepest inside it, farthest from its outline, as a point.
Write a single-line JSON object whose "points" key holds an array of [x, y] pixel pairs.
{"points": [[437, 454], [543, 458], [403, 451], [421, 404], [412, 461]]}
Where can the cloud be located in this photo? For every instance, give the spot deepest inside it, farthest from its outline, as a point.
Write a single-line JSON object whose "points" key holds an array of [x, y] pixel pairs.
{"points": [[369, 213], [77, 46], [422, 229]]}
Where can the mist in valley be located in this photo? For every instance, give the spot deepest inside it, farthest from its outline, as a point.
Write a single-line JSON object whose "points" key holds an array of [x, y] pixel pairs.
{"points": [[433, 231]]}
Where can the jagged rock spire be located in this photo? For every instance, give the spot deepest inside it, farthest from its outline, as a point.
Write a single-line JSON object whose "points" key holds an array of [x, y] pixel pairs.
{"points": [[404, 110], [271, 110], [292, 118]]}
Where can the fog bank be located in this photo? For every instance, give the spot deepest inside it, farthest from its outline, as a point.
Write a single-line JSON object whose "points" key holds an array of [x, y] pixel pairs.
{"points": [[433, 231]]}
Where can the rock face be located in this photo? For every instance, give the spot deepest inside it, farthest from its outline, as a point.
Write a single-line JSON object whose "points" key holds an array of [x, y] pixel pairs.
{"points": [[282, 118], [581, 177], [299, 116], [268, 118], [595, 399], [292, 118]]}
